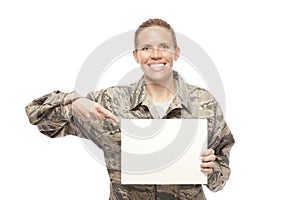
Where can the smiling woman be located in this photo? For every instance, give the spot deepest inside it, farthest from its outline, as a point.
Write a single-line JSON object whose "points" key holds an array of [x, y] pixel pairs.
{"points": [[96, 117], [155, 52]]}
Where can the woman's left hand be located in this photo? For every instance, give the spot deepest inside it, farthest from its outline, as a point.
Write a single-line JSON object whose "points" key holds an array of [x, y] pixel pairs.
{"points": [[208, 161]]}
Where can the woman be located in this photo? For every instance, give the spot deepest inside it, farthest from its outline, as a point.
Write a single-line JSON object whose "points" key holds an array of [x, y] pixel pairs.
{"points": [[160, 93]]}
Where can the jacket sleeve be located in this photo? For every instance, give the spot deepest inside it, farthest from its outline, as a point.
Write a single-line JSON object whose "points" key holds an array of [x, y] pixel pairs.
{"points": [[221, 140], [52, 113]]}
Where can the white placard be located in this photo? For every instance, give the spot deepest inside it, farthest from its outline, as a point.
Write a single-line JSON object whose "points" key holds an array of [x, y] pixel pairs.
{"points": [[163, 151]]}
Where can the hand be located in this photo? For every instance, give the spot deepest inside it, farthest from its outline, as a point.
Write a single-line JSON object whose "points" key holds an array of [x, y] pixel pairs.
{"points": [[86, 110], [208, 161]]}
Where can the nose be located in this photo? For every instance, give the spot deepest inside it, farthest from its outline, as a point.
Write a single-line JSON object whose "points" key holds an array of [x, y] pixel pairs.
{"points": [[156, 53]]}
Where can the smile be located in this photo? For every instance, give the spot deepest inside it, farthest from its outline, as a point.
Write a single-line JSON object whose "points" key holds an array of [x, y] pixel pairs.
{"points": [[157, 66]]}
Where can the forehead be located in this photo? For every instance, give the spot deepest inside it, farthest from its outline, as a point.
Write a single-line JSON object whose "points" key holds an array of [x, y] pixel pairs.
{"points": [[154, 35]]}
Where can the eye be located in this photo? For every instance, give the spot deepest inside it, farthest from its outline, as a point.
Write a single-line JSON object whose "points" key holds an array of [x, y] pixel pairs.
{"points": [[165, 47], [145, 48]]}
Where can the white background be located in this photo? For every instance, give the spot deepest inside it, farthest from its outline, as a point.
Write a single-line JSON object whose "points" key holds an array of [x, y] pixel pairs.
{"points": [[254, 45]]}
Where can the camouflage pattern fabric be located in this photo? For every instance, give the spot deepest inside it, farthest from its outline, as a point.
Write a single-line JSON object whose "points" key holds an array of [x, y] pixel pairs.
{"points": [[52, 114]]}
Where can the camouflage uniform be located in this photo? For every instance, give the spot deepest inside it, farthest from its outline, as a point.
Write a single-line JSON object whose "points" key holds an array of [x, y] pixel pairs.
{"points": [[52, 114]]}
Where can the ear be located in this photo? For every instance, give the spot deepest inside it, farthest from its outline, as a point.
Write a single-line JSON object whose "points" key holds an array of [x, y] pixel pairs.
{"points": [[134, 52], [176, 53]]}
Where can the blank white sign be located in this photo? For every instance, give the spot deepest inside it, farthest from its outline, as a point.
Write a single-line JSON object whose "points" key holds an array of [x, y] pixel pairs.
{"points": [[162, 151]]}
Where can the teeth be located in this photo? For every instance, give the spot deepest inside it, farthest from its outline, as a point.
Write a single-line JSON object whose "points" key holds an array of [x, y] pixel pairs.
{"points": [[156, 65]]}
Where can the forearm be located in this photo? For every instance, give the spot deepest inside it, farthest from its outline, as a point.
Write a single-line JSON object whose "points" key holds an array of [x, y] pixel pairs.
{"points": [[221, 170], [52, 113], [217, 179]]}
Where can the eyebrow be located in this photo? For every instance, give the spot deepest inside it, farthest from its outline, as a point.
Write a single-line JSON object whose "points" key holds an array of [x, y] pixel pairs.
{"points": [[160, 44]]}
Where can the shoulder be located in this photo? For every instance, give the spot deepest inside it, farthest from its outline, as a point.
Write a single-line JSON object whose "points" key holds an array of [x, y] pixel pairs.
{"points": [[200, 93], [203, 102], [114, 92], [120, 90]]}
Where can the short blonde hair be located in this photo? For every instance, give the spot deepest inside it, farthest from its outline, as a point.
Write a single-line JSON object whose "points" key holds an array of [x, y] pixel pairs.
{"points": [[151, 23]]}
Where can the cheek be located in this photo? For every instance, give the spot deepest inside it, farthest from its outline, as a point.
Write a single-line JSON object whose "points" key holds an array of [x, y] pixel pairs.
{"points": [[142, 59], [170, 56]]}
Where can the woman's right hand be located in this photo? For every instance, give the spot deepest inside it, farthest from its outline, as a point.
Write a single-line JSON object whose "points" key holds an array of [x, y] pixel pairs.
{"points": [[87, 110]]}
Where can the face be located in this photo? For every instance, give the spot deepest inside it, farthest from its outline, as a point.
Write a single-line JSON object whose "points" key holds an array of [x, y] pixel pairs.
{"points": [[156, 54]]}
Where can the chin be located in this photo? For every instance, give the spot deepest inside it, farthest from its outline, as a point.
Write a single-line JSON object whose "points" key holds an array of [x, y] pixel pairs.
{"points": [[158, 78]]}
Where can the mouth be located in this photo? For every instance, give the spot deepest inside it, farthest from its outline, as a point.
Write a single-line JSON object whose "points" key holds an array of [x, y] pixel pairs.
{"points": [[157, 66]]}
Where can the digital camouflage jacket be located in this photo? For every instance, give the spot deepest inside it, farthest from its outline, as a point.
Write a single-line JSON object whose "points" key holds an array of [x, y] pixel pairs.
{"points": [[52, 114]]}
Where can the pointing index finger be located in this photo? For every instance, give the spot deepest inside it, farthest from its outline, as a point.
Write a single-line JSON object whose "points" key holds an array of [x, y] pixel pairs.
{"points": [[106, 113]]}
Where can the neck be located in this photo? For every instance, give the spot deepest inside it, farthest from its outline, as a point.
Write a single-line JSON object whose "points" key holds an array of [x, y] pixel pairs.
{"points": [[161, 92]]}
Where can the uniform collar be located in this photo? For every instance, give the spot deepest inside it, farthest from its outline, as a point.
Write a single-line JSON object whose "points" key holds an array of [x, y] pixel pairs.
{"points": [[139, 96]]}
